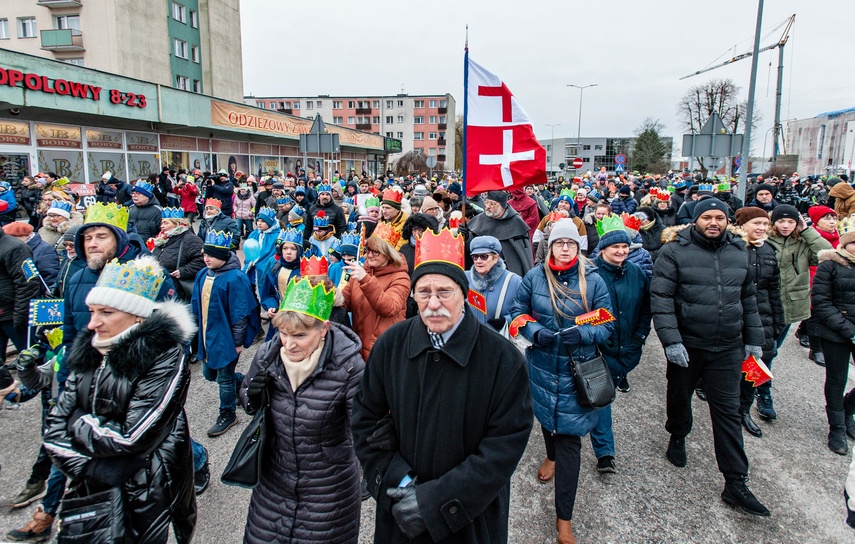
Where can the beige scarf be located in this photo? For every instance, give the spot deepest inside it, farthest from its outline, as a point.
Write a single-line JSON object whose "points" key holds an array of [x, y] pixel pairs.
{"points": [[846, 255], [299, 371]]}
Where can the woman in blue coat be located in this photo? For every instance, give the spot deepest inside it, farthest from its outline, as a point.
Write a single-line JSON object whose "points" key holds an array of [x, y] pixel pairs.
{"points": [[552, 295]]}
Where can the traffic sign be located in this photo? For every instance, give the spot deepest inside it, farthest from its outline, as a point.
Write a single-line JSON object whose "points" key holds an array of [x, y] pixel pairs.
{"points": [[578, 163], [737, 161], [431, 161], [619, 168], [561, 166], [620, 159]]}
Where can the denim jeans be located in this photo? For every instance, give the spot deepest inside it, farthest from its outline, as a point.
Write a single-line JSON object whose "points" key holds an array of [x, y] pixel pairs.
{"points": [[602, 435], [225, 378], [200, 455], [55, 491], [241, 223]]}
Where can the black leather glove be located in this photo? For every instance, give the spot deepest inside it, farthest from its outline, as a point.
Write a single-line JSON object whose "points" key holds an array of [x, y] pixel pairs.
{"points": [[114, 471], [570, 337], [405, 510], [384, 438], [544, 338], [497, 323], [255, 388]]}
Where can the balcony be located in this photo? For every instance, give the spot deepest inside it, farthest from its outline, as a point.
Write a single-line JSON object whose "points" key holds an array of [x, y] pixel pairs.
{"points": [[440, 158], [364, 111], [285, 110], [363, 126], [443, 110], [64, 39], [59, 3], [441, 142], [442, 126]]}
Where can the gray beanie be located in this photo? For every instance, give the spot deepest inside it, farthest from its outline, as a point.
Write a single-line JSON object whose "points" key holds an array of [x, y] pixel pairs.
{"points": [[565, 228]]}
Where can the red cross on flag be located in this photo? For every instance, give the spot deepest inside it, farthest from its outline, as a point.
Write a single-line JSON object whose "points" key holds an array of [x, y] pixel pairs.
{"points": [[502, 151]]}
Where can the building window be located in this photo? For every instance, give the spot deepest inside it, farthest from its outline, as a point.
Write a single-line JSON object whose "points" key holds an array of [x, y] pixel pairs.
{"points": [[418, 103], [389, 105], [431, 135], [431, 151], [375, 120], [286, 105], [390, 119], [442, 119], [400, 103], [297, 105], [442, 135], [351, 104], [197, 86], [309, 104], [418, 120], [179, 12], [66, 22], [441, 151], [418, 135], [375, 104], [363, 120], [337, 120], [182, 83], [432, 103], [586, 148], [400, 135], [76, 62], [320, 104], [432, 119], [598, 148], [273, 105], [27, 27], [4, 29], [197, 56], [351, 121], [336, 105], [400, 118], [389, 134], [180, 49], [262, 105], [442, 103], [194, 19]]}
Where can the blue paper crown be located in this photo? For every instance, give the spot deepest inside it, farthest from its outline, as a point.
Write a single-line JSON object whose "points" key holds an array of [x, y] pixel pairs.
{"points": [[354, 226], [347, 200], [324, 188], [135, 277], [282, 201], [321, 221], [350, 239], [292, 236], [144, 186], [172, 213], [60, 205], [335, 246], [707, 187], [266, 212], [221, 239], [298, 210]]}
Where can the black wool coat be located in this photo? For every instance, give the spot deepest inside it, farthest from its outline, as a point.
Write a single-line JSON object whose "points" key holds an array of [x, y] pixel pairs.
{"points": [[462, 417], [192, 261], [763, 264], [833, 298]]}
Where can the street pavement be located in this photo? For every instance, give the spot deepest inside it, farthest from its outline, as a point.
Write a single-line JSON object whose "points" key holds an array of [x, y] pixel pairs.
{"points": [[648, 500]]}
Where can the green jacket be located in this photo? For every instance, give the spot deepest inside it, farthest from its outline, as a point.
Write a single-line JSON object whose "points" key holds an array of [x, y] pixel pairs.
{"points": [[796, 254]]}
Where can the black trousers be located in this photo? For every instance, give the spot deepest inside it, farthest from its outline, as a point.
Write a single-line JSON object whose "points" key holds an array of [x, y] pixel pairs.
{"points": [[836, 372], [722, 375], [565, 450]]}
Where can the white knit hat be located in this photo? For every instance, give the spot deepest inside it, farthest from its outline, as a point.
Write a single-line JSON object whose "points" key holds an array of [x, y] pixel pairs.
{"points": [[565, 228], [130, 287]]}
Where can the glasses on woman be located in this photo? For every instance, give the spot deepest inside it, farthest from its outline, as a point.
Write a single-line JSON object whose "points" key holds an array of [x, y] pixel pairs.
{"points": [[564, 244], [482, 257], [369, 251], [444, 295]]}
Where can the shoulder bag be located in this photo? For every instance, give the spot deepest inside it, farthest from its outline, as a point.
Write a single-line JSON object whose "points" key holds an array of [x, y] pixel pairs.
{"points": [[186, 284], [594, 385], [244, 468]]}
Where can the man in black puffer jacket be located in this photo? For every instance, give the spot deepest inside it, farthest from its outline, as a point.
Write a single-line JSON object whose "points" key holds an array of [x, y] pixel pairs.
{"points": [[15, 293], [705, 313], [145, 213]]}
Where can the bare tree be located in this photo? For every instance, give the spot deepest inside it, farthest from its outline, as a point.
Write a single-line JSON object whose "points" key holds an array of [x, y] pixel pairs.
{"points": [[409, 162]]}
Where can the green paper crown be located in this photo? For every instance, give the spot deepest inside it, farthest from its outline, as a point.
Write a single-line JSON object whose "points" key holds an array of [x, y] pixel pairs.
{"points": [[609, 223], [302, 298], [568, 192], [723, 187], [372, 202], [111, 214]]}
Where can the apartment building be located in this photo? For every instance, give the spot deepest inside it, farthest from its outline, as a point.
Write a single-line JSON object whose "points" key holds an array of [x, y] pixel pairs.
{"points": [[422, 122], [193, 45]]}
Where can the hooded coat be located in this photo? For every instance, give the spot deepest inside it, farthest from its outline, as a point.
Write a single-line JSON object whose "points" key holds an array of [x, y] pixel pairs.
{"points": [[512, 232], [833, 298], [377, 302], [136, 409], [796, 253], [309, 488], [844, 203], [527, 208]]}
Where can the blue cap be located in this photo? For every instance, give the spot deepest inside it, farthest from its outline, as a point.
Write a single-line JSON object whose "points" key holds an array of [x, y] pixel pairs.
{"points": [[485, 244]]}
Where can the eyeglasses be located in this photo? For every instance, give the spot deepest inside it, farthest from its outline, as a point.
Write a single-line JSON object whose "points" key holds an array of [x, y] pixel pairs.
{"points": [[482, 257], [431, 210], [564, 243], [444, 295], [371, 251]]}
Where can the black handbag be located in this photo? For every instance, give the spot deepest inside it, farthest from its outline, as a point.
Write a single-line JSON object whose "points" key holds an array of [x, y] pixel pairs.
{"points": [[594, 385], [185, 284], [244, 468], [99, 517]]}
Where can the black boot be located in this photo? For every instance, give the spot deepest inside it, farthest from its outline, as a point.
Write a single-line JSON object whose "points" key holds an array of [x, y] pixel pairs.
{"points": [[849, 413], [749, 424], [737, 493], [837, 431], [676, 452], [817, 357]]}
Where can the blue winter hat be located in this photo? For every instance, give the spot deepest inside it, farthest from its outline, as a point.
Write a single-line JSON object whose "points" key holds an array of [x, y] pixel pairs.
{"points": [[613, 237], [268, 215]]}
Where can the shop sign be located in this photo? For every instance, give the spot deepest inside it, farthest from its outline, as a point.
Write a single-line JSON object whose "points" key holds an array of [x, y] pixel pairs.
{"points": [[141, 141], [58, 136], [63, 87], [178, 143], [14, 132], [103, 139]]}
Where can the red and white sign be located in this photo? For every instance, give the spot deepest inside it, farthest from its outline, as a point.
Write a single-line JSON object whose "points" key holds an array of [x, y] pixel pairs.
{"points": [[578, 163], [502, 151]]}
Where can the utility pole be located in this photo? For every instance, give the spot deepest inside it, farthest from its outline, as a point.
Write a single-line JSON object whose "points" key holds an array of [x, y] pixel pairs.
{"points": [[552, 147], [579, 127], [749, 113]]}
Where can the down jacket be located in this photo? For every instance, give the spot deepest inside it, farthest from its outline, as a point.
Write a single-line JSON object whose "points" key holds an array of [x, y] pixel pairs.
{"points": [[553, 389], [702, 294], [377, 302], [796, 254], [309, 488], [45, 257], [833, 298], [145, 218], [137, 409], [763, 265], [15, 290]]}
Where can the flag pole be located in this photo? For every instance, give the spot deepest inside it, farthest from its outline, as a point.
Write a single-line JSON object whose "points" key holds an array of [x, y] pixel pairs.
{"points": [[465, 117]]}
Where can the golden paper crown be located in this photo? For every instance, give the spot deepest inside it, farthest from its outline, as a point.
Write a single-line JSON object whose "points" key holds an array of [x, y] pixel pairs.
{"points": [[387, 232], [846, 226], [109, 214], [444, 247]]}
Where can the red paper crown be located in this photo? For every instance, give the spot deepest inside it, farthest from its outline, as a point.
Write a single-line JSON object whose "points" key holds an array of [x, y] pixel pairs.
{"points": [[664, 196], [314, 266], [653, 192], [555, 216], [387, 232], [630, 221], [213, 202], [444, 247], [393, 194]]}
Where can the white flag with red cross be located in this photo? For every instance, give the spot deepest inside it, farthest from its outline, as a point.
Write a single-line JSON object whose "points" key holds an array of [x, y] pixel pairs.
{"points": [[502, 151]]}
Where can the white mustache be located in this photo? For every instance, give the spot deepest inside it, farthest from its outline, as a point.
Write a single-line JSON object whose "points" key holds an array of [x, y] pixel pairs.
{"points": [[442, 312]]}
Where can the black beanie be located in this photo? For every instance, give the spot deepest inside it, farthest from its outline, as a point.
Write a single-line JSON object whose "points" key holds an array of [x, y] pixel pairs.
{"points": [[785, 211], [764, 187], [498, 196], [446, 269], [707, 204], [220, 253]]}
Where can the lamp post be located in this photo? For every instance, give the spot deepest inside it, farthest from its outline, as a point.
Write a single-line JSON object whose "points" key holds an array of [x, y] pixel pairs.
{"points": [[579, 127], [552, 146]]}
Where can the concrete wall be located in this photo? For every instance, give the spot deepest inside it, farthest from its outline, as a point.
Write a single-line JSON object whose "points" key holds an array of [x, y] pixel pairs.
{"points": [[825, 144], [222, 59]]}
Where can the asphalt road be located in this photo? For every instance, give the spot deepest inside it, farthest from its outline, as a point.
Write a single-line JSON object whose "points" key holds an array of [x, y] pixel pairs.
{"points": [[649, 500]]}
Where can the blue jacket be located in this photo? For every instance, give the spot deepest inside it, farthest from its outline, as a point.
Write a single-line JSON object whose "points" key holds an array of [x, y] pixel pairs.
{"points": [[492, 295], [9, 197], [45, 257], [267, 258], [629, 289], [637, 256], [552, 386], [232, 314], [620, 205]]}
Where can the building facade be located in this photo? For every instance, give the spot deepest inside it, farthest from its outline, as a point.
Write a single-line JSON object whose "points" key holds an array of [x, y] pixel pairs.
{"points": [[824, 144], [192, 45], [594, 152], [422, 122]]}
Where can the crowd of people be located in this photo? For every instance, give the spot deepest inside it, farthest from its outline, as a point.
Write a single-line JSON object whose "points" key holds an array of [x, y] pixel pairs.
{"points": [[391, 306]]}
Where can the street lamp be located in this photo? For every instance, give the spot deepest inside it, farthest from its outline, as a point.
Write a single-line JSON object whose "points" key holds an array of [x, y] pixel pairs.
{"points": [[579, 128], [552, 146]]}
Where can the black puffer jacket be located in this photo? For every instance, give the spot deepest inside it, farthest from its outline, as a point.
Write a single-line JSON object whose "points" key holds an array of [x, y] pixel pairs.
{"points": [[15, 290], [763, 265], [833, 298], [702, 294], [146, 218], [651, 238], [309, 488], [192, 261], [137, 405]]}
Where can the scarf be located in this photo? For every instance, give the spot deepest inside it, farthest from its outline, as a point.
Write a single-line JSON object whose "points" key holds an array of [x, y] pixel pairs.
{"points": [[832, 238], [559, 268], [845, 254], [482, 283], [299, 371], [104, 346], [321, 237], [163, 237]]}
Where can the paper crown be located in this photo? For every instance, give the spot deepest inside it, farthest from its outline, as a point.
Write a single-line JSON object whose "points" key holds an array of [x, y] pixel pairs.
{"points": [[350, 239], [609, 223], [60, 205], [172, 213], [54, 337], [138, 278], [221, 239], [567, 192], [393, 194], [444, 247], [314, 266], [723, 187], [214, 202], [630, 221], [705, 187], [303, 298], [555, 216], [284, 200], [664, 196], [846, 226], [291, 236], [654, 191], [109, 214], [335, 247], [266, 212], [321, 220], [372, 202], [324, 188], [386, 232], [347, 200], [144, 186]]}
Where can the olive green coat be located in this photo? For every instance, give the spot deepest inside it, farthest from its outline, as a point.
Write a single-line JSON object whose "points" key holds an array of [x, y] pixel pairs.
{"points": [[796, 254]]}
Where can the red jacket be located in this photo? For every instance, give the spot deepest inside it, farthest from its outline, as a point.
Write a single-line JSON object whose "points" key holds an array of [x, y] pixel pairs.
{"points": [[527, 208], [188, 193]]}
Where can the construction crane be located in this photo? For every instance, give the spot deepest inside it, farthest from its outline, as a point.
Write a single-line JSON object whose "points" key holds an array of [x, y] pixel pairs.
{"points": [[788, 25]]}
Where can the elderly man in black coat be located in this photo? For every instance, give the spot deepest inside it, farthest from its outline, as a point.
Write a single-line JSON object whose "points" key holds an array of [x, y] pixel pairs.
{"points": [[504, 223], [443, 414]]}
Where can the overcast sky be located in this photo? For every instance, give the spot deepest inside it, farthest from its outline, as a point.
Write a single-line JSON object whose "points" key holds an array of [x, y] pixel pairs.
{"points": [[635, 50]]}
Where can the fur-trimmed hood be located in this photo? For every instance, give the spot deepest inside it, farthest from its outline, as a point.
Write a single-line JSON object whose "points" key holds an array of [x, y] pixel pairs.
{"points": [[833, 255], [169, 326]]}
